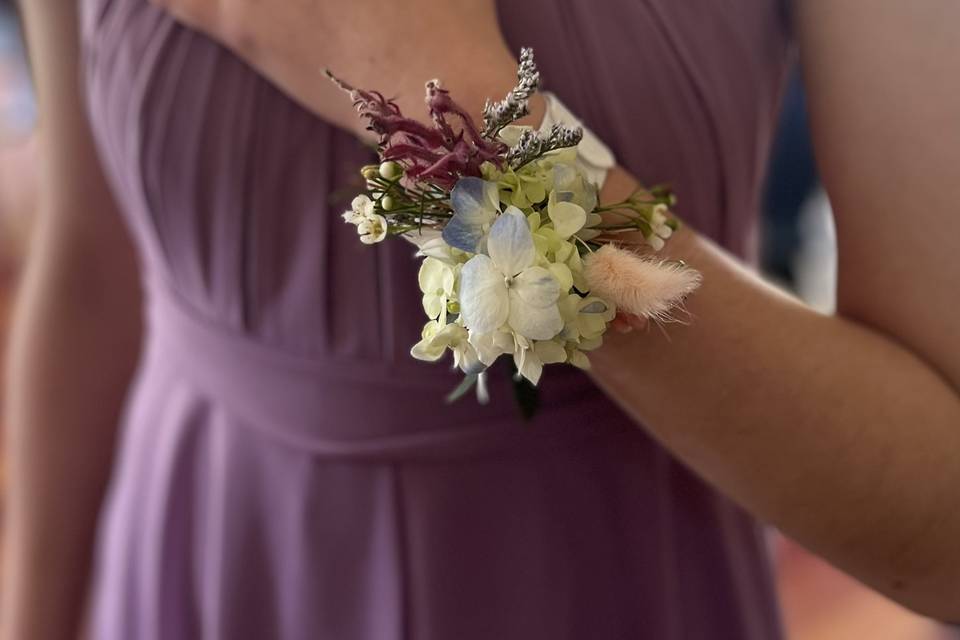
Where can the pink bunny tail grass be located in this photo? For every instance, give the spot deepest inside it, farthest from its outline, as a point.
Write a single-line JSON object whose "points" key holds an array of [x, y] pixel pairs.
{"points": [[646, 288]]}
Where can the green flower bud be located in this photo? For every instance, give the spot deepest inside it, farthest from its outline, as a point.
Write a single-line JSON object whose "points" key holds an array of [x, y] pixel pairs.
{"points": [[369, 172], [386, 203]]}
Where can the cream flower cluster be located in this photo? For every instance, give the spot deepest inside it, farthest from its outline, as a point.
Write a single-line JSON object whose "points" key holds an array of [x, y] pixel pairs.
{"points": [[520, 258], [506, 277]]}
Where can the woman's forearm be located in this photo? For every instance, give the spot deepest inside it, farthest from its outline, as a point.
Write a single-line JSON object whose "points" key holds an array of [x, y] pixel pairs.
{"points": [[833, 432], [71, 352]]}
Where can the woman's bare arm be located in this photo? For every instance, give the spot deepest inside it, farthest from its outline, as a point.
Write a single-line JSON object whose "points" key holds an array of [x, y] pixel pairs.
{"points": [[74, 343], [843, 430]]}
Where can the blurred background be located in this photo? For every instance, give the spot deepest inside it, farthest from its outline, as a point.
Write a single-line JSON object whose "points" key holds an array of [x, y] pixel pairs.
{"points": [[798, 251]]}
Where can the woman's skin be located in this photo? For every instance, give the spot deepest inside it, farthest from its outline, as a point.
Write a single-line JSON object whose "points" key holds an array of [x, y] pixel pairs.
{"points": [[842, 430]]}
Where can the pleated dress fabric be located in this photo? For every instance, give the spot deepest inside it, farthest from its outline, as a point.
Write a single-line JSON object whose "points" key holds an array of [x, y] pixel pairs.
{"points": [[287, 471]]}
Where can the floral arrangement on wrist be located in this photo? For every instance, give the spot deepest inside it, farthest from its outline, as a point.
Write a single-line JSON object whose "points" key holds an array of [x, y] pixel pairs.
{"points": [[520, 258]]}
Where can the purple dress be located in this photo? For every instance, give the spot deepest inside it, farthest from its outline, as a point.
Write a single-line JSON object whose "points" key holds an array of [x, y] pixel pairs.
{"points": [[286, 469]]}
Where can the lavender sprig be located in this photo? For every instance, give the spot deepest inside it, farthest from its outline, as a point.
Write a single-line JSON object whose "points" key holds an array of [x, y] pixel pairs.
{"points": [[533, 144], [497, 115]]}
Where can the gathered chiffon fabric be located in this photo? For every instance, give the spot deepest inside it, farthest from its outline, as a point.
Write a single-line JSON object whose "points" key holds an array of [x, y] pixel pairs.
{"points": [[287, 471]]}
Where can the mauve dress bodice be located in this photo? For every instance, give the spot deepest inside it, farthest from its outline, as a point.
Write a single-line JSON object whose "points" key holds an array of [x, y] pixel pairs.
{"points": [[287, 470]]}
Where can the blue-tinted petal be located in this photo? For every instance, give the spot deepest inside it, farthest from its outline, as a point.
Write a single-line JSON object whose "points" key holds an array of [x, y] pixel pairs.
{"points": [[474, 197], [474, 203], [462, 235], [510, 242]]}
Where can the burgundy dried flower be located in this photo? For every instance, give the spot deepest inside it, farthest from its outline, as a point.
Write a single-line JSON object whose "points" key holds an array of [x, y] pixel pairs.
{"points": [[437, 154]]}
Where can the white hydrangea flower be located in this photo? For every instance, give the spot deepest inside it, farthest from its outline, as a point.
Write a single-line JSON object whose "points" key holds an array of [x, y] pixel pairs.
{"points": [[505, 286], [524, 187], [530, 356], [578, 358], [492, 345], [440, 250], [570, 185], [567, 217], [436, 280], [585, 318], [437, 338]]}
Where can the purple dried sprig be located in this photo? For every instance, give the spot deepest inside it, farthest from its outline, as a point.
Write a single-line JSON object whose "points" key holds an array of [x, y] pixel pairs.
{"points": [[497, 115]]}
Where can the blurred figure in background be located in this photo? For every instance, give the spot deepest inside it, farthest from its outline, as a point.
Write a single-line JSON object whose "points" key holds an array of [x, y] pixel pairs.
{"points": [[791, 179]]}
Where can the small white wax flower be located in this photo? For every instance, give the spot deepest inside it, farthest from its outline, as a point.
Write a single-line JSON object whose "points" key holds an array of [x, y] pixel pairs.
{"points": [[436, 283], [506, 287], [656, 242], [362, 205], [372, 229], [360, 208], [659, 229]]}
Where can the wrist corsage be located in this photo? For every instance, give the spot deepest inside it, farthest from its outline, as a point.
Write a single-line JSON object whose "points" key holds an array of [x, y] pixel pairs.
{"points": [[520, 258]]}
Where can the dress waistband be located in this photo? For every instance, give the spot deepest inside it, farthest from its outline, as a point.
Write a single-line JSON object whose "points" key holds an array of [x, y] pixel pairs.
{"points": [[354, 409]]}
